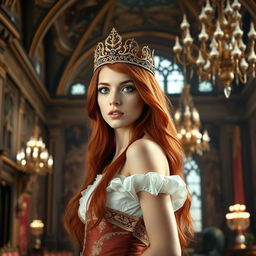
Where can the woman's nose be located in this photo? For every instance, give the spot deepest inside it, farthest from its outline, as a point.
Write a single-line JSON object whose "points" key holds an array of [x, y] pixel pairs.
{"points": [[114, 99]]}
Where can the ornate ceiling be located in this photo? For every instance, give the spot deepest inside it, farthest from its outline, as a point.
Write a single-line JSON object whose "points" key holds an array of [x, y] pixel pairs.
{"points": [[60, 35]]}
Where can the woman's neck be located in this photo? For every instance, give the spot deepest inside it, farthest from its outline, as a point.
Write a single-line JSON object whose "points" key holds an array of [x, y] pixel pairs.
{"points": [[122, 137]]}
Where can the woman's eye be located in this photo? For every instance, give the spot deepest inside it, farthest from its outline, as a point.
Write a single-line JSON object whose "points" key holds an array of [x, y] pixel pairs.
{"points": [[128, 89], [103, 90]]}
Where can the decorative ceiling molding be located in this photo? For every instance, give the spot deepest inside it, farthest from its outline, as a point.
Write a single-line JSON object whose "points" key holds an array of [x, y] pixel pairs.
{"points": [[65, 78], [47, 22], [250, 6], [44, 3], [7, 29], [192, 7], [108, 19], [9, 4], [61, 42], [72, 71], [182, 9], [30, 85]]}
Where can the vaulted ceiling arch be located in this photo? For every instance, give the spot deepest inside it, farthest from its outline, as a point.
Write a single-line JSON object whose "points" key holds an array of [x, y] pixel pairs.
{"points": [[64, 79], [71, 73], [67, 28], [47, 22]]}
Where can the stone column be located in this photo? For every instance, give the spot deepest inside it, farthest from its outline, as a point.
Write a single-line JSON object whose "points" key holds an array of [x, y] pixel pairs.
{"points": [[19, 122], [7, 34], [56, 149], [2, 85]]}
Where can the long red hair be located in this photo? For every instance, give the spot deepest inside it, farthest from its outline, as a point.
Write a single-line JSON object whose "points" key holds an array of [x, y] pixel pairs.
{"points": [[154, 120]]}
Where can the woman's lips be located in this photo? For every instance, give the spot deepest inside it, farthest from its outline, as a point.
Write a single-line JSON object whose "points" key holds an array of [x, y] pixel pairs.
{"points": [[115, 114]]}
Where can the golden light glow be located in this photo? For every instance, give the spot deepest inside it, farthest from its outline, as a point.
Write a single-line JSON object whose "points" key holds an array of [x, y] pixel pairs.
{"points": [[36, 224], [35, 158], [238, 220], [187, 122]]}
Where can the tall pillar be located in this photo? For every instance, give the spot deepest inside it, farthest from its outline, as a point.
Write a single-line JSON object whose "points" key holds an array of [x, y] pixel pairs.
{"points": [[8, 33], [19, 122], [56, 149], [2, 85]]}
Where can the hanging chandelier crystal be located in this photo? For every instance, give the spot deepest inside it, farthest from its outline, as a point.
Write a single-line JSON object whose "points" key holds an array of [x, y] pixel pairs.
{"points": [[187, 122], [35, 159], [222, 52]]}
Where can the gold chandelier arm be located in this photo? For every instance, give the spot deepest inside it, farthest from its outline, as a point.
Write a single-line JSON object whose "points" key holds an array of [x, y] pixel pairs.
{"points": [[252, 70], [183, 63], [189, 55], [203, 49], [203, 74], [242, 76]]}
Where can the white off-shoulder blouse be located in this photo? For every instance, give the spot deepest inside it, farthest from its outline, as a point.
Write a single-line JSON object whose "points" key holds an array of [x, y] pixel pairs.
{"points": [[122, 192]]}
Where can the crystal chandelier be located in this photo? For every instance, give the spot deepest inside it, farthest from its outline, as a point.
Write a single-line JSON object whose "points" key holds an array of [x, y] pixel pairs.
{"points": [[187, 122], [35, 159], [222, 52]]}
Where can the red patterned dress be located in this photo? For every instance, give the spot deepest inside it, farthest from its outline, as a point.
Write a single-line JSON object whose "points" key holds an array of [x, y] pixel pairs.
{"points": [[122, 231]]}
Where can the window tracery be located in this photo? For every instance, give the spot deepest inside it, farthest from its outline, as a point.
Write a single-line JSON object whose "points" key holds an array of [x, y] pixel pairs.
{"points": [[193, 179], [77, 89], [168, 75]]}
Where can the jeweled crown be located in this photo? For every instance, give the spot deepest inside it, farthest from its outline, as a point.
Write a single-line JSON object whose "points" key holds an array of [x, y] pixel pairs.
{"points": [[114, 51]]}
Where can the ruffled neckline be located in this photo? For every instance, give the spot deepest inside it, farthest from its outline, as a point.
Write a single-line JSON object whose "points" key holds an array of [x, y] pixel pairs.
{"points": [[153, 183], [96, 180]]}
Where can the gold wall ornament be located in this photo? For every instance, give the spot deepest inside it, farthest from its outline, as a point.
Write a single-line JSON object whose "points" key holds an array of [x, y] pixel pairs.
{"points": [[187, 122], [35, 159], [113, 50], [238, 220], [222, 52]]}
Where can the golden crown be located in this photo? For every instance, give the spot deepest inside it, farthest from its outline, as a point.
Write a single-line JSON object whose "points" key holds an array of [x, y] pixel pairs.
{"points": [[115, 52]]}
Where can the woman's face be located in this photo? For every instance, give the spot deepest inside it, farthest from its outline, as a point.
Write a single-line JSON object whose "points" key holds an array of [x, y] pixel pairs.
{"points": [[119, 101]]}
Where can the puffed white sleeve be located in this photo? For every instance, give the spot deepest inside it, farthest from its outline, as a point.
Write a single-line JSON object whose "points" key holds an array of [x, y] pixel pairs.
{"points": [[153, 183]]}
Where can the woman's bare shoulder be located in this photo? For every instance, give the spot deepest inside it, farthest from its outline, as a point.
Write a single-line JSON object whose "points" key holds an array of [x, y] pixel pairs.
{"points": [[143, 146], [145, 155]]}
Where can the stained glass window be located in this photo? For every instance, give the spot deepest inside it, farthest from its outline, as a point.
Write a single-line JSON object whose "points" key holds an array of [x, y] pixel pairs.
{"points": [[168, 75], [78, 89], [205, 86], [193, 179], [38, 68]]}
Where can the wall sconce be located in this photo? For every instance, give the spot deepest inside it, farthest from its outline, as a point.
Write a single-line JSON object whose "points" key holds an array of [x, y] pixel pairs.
{"points": [[238, 220], [37, 227]]}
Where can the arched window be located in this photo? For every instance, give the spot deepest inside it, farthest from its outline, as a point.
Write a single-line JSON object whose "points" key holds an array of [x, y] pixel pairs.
{"points": [[168, 75], [78, 89], [38, 68], [193, 179], [205, 86]]}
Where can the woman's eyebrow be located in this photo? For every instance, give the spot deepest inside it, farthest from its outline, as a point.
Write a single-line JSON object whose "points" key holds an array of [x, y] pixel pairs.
{"points": [[124, 82], [127, 81], [102, 83]]}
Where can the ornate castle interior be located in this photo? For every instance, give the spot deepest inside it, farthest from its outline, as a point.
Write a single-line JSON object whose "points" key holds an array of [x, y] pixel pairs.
{"points": [[46, 63]]}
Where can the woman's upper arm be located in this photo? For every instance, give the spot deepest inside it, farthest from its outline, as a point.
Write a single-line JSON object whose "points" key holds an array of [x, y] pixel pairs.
{"points": [[160, 223], [157, 210]]}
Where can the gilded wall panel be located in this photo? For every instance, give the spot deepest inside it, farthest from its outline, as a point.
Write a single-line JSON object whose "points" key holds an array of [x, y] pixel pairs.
{"points": [[10, 118], [211, 171], [73, 166]]}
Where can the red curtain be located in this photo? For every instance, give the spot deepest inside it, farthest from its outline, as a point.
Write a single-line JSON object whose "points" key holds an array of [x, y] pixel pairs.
{"points": [[23, 235]]}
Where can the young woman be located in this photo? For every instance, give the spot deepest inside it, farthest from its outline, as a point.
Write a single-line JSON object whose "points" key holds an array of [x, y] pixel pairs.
{"points": [[133, 201]]}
